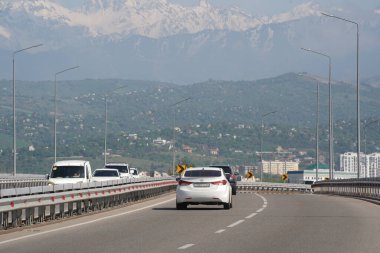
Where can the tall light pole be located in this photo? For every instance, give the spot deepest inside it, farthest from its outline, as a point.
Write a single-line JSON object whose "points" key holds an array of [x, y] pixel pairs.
{"points": [[261, 141], [331, 137], [14, 106], [106, 120], [55, 109], [174, 138], [105, 129], [357, 86]]}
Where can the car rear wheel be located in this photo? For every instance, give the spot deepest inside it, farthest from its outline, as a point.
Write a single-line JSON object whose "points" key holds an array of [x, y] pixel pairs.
{"points": [[181, 206], [227, 206]]}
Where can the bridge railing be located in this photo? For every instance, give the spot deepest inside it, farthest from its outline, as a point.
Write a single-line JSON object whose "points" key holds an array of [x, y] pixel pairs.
{"points": [[29, 205], [275, 187], [368, 188]]}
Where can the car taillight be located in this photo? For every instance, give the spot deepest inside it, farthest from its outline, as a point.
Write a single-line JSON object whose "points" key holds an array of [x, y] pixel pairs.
{"points": [[184, 183], [222, 182]]}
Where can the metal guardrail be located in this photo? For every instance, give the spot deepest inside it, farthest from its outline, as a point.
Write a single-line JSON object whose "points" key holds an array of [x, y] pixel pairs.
{"points": [[22, 180], [30, 205], [275, 187], [21, 183], [367, 188]]}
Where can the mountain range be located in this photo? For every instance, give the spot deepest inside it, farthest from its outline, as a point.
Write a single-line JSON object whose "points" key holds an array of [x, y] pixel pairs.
{"points": [[166, 41]]}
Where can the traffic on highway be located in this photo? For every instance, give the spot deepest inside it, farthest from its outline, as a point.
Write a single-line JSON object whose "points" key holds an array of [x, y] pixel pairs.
{"points": [[258, 222]]}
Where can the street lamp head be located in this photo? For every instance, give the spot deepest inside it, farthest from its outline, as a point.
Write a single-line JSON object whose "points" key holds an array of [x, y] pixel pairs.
{"points": [[27, 48], [328, 15]]}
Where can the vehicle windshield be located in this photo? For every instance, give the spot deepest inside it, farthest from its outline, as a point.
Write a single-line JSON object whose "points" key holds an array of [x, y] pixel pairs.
{"points": [[133, 172], [121, 168], [67, 172], [202, 173], [106, 173]]}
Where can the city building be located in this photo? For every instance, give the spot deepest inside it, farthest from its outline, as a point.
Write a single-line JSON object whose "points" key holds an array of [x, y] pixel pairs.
{"points": [[309, 176], [369, 164]]}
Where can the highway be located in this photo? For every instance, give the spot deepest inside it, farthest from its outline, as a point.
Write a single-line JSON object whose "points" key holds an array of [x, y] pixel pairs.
{"points": [[258, 222]]}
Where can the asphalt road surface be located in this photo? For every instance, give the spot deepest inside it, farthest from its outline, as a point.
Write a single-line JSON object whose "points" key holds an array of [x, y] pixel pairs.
{"points": [[256, 223]]}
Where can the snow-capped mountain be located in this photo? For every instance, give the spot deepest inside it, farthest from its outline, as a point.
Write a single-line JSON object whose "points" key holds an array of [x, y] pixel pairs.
{"points": [[159, 39], [154, 19]]}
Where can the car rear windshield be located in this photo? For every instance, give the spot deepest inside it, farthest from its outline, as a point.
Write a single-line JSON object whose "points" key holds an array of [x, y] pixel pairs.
{"points": [[203, 173], [105, 173], [121, 168]]}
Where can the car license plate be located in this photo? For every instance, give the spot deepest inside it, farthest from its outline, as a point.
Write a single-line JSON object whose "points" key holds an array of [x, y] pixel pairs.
{"points": [[202, 185]]}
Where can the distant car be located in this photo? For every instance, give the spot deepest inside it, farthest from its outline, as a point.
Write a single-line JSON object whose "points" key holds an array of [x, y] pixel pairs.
{"points": [[206, 186], [105, 175], [122, 167], [232, 178]]}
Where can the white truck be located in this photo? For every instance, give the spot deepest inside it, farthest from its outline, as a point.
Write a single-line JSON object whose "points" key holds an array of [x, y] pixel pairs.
{"points": [[70, 172], [122, 167]]}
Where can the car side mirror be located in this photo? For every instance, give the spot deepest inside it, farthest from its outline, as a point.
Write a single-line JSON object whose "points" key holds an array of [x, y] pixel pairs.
{"points": [[228, 176], [47, 176]]}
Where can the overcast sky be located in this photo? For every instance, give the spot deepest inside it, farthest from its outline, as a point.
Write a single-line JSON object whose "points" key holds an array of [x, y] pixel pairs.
{"points": [[261, 7]]}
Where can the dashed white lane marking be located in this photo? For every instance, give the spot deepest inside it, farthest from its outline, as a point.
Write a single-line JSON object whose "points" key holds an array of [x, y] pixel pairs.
{"points": [[264, 206], [260, 210], [186, 246], [235, 224], [84, 223], [220, 231], [251, 215]]}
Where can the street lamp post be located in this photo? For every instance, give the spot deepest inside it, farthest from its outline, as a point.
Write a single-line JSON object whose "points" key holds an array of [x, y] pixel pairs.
{"points": [[105, 129], [55, 109], [14, 106], [261, 141], [331, 137], [106, 120], [174, 138], [357, 86]]}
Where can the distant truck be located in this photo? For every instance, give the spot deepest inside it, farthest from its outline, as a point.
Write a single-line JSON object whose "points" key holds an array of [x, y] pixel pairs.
{"points": [[122, 167], [70, 172]]}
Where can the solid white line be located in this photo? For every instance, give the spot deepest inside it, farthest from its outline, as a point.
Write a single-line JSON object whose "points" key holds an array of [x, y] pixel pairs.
{"points": [[186, 246], [235, 224], [260, 210], [84, 223], [220, 231], [251, 215]]}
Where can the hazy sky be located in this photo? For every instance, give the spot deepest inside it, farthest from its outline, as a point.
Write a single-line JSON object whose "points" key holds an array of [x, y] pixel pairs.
{"points": [[261, 7]]}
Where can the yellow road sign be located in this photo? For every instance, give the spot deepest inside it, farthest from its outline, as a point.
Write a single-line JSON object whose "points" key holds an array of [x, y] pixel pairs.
{"points": [[181, 168], [249, 174], [284, 177]]}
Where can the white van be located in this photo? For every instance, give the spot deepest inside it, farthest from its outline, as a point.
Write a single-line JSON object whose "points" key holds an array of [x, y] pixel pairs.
{"points": [[70, 172]]}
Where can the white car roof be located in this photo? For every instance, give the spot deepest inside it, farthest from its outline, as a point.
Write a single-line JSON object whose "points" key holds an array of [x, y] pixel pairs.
{"points": [[70, 163], [119, 164], [204, 168], [107, 169]]}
